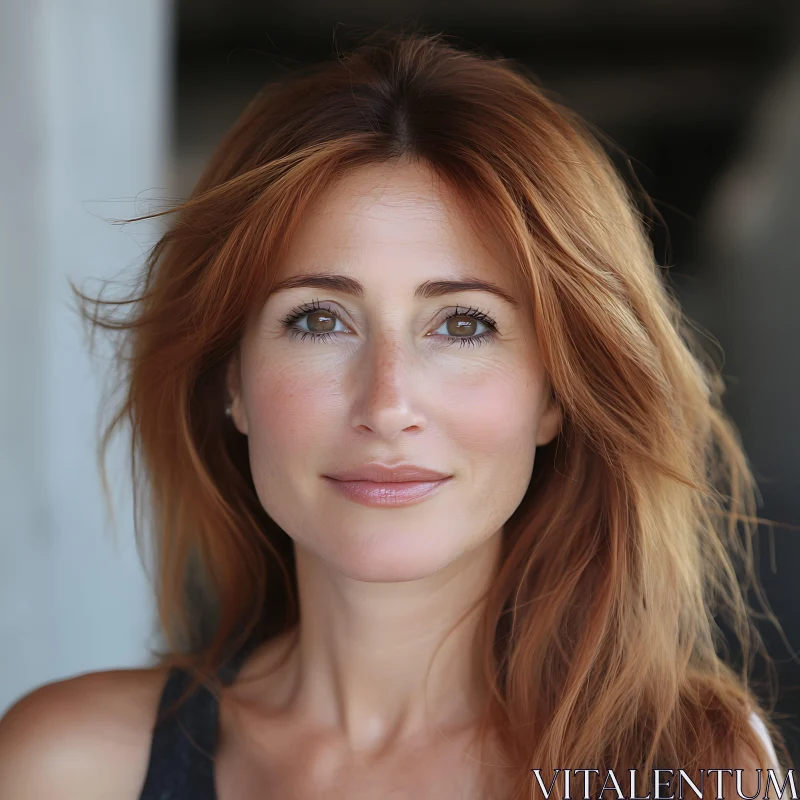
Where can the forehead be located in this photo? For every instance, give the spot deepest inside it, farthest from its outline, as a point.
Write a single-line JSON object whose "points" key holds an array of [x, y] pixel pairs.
{"points": [[391, 223]]}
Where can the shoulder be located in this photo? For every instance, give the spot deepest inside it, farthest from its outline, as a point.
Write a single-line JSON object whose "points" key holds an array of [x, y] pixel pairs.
{"points": [[85, 737], [763, 734], [746, 760]]}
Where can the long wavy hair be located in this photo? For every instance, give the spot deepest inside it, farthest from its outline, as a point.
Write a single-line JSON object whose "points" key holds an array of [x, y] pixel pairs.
{"points": [[601, 633]]}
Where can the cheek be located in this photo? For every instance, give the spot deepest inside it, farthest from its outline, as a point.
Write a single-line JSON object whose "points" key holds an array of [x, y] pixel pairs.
{"points": [[493, 413], [494, 428], [290, 425], [290, 409]]}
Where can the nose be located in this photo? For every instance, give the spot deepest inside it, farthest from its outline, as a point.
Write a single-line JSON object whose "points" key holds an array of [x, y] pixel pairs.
{"points": [[386, 402]]}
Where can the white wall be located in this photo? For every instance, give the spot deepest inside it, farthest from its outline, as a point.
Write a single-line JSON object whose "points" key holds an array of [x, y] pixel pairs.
{"points": [[84, 98]]}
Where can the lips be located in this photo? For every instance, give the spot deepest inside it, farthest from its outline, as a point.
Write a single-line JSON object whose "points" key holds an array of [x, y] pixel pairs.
{"points": [[388, 485], [385, 473]]}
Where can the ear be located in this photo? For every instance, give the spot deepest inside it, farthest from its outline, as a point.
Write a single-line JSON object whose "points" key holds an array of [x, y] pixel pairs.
{"points": [[233, 385], [550, 421]]}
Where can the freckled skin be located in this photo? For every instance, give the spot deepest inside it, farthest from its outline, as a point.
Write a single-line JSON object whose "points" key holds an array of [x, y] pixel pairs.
{"points": [[380, 388]]}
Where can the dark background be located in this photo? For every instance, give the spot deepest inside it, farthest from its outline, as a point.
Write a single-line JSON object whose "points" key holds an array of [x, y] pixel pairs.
{"points": [[687, 90]]}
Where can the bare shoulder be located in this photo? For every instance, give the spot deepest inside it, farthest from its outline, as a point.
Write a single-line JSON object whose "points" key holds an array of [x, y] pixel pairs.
{"points": [[85, 737]]}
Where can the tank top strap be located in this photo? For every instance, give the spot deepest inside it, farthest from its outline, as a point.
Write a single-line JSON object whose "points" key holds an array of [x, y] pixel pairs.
{"points": [[183, 744]]}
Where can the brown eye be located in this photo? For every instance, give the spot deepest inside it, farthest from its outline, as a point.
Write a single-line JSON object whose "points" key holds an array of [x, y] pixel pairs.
{"points": [[321, 321], [461, 326]]}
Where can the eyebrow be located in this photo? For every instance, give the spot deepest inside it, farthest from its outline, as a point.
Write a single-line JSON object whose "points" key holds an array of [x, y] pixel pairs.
{"points": [[425, 291]]}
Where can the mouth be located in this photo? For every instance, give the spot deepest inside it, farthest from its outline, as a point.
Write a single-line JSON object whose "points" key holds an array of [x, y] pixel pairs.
{"points": [[387, 494]]}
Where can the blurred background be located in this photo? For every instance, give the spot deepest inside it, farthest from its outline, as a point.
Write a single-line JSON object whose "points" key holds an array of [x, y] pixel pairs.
{"points": [[108, 105]]}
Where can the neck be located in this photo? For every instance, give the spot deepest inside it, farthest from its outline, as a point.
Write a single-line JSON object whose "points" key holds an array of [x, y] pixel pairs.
{"points": [[378, 661]]}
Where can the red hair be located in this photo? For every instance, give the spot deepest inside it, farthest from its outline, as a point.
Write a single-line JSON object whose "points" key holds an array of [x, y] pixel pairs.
{"points": [[600, 642]]}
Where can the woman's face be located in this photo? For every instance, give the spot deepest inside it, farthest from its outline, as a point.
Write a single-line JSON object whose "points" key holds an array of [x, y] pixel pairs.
{"points": [[328, 380]]}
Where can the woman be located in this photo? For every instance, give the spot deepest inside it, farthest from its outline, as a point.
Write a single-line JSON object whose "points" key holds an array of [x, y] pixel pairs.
{"points": [[441, 489]]}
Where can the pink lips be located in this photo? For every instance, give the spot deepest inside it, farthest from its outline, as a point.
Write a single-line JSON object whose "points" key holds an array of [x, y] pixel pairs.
{"points": [[387, 486]]}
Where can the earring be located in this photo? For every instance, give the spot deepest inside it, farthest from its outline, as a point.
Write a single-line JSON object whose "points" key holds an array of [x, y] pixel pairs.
{"points": [[229, 410]]}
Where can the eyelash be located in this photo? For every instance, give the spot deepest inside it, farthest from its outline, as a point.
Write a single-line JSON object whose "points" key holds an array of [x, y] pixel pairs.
{"points": [[463, 341]]}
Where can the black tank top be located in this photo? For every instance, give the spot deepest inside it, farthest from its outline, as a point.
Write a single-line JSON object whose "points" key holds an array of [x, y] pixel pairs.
{"points": [[182, 750]]}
